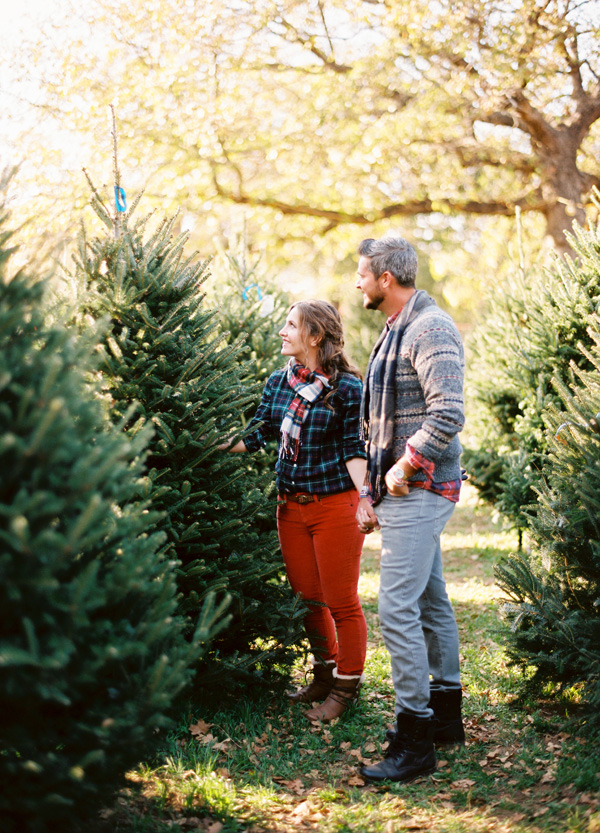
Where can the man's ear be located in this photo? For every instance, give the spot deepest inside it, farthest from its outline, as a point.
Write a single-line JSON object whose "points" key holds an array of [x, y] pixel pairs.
{"points": [[386, 278]]}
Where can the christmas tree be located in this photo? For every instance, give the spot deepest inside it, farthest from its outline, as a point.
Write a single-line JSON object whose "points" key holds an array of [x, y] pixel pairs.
{"points": [[252, 309], [555, 591], [530, 335], [166, 351], [91, 651]]}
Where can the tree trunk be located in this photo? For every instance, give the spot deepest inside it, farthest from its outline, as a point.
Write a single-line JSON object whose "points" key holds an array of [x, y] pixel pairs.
{"points": [[565, 188]]}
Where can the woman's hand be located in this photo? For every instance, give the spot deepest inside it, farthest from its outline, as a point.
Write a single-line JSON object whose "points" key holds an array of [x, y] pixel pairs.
{"points": [[366, 517], [238, 448]]}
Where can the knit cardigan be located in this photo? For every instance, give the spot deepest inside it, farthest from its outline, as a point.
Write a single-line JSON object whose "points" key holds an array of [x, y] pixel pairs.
{"points": [[429, 403]]}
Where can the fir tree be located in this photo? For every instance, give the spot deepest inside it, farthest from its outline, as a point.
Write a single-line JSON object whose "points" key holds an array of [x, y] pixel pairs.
{"points": [[252, 309], [165, 350], [555, 590], [91, 651], [530, 335]]}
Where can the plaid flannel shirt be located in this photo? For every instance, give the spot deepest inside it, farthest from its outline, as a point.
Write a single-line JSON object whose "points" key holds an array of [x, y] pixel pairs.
{"points": [[449, 489], [328, 437]]}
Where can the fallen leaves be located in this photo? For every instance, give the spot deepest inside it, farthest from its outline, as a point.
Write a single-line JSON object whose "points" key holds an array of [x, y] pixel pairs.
{"points": [[294, 786], [463, 783], [549, 776], [200, 728], [200, 732], [498, 758], [312, 773], [306, 810], [298, 803], [206, 825]]}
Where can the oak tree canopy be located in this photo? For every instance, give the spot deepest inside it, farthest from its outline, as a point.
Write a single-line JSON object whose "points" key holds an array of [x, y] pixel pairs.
{"points": [[350, 111]]}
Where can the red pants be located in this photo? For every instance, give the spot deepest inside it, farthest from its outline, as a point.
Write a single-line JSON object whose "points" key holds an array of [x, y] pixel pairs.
{"points": [[321, 548]]}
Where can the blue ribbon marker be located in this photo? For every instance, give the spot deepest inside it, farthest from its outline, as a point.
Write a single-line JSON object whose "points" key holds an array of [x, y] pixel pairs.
{"points": [[593, 423], [120, 199], [560, 428], [251, 286]]}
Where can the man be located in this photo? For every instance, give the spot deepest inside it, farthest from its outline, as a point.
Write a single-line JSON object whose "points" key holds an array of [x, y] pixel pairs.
{"points": [[412, 410]]}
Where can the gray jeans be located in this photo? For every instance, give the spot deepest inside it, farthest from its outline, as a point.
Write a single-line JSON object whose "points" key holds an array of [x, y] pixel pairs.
{"points": [[416, 616]]}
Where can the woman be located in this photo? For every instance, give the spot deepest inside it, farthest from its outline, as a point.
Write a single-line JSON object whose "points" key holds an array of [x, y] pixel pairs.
{"points": [[312, 407]]}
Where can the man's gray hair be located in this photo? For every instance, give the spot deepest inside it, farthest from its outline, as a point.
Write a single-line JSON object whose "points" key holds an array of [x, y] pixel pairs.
{"points": [[391, 254]]}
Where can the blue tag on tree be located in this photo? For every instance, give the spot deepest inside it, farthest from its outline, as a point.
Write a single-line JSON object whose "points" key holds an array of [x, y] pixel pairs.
{"points": [[120, 199]]}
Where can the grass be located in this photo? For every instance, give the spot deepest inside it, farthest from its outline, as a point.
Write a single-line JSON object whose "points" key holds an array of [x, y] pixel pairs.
{"points": [[260, 766]]}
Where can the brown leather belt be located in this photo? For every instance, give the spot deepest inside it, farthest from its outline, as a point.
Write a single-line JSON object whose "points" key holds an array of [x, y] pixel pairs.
{"points": [[300, 497]]}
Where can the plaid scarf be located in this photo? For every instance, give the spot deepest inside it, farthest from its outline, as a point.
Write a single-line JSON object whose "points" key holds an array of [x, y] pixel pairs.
{"points": [[308, 385], [379, 395]]}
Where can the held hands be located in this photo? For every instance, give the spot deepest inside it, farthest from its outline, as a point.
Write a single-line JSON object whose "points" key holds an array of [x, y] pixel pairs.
{"points": [[366, 517]]}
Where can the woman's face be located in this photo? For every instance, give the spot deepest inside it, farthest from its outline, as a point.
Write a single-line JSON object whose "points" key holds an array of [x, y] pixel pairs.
{"points": [[293, 339]]}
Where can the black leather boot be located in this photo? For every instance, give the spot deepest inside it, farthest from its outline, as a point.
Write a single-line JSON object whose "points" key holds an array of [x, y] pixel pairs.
{"points": [[447, 710], [410, 753]]}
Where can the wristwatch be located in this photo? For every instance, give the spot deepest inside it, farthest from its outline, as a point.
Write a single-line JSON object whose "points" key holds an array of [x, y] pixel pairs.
{"points": [[394, 472]]}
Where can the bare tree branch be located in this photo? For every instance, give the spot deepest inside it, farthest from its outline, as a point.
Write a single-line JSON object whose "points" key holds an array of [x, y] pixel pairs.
{"points": [[308, 42], [322, 13], [533, 201]]}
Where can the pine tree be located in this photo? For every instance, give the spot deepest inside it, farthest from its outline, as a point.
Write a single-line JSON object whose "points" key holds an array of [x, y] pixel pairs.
{"points": [[166, 350], [530, 335], [91, 651], [555, 590], [252, 309]]}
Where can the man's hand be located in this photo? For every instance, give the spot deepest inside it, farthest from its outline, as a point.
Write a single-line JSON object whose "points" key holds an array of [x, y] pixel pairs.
{"points": [[366, 517], [400, 471], [393, 488]]}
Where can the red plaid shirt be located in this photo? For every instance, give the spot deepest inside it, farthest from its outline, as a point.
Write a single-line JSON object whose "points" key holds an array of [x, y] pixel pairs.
{"points": [[449, 490]]}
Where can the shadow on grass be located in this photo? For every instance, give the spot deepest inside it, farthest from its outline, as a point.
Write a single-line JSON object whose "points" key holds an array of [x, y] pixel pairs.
{"points": [[274, 772], [260, 766]]}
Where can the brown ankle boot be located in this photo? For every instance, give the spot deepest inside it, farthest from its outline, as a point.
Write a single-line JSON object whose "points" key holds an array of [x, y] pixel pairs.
{"points": [[319, 687], [343, 692]]}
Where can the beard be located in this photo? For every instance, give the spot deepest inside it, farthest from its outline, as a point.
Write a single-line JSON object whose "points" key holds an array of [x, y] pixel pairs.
{"points": [[373, 301]]}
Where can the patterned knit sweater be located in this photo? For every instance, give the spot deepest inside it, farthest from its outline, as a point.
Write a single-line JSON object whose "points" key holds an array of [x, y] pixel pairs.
{"points": [[429, 410]]}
